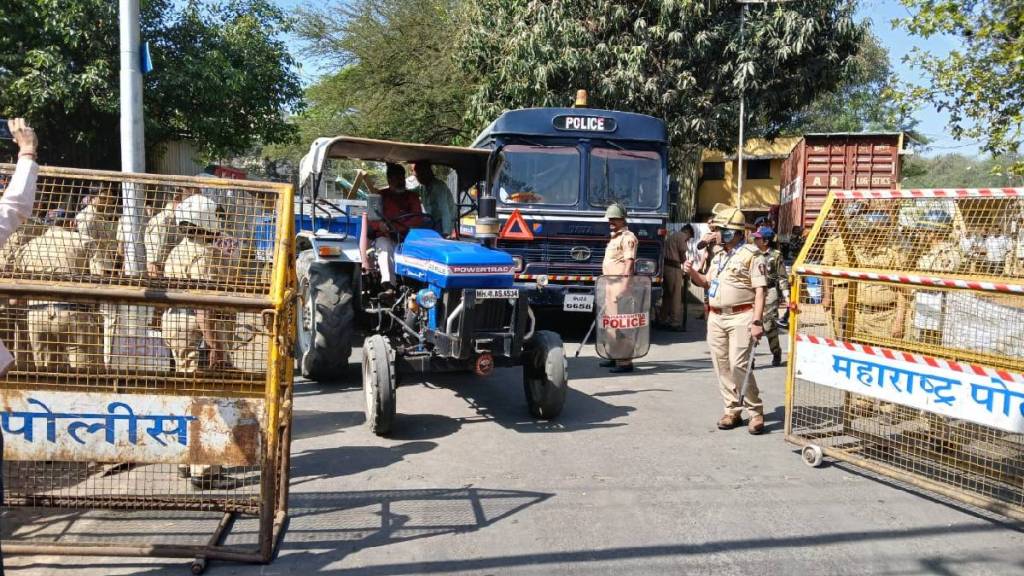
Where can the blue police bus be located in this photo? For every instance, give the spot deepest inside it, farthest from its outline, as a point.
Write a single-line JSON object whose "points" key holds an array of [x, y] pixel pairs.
{"points": [[554, 171]]}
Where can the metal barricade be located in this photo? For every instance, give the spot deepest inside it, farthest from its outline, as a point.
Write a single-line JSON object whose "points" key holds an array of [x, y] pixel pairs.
{"points": [[907, 348], [157, 405], [623, 316]]}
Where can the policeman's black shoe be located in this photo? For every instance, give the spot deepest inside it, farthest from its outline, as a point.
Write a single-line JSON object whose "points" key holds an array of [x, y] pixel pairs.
{"points": [[622, 369], [607, 364], [777, 359], [216, 482]]}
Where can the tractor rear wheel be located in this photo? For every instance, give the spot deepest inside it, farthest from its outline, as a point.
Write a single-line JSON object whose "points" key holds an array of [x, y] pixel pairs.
{"points": [[545, 375], [379, 384], [326, 320]]}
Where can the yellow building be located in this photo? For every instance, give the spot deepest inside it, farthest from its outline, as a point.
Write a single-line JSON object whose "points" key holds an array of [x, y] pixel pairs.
{"points": [[762, 168]]}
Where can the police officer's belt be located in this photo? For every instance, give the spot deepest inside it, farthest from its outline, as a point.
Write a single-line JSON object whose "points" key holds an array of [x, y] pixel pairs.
{"points": [[62, 306], [731, 309]]}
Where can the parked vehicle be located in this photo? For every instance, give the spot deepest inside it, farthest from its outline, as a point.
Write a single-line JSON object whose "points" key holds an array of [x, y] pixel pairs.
{"points": [[823, 162], [554, 171], [454, 306]]}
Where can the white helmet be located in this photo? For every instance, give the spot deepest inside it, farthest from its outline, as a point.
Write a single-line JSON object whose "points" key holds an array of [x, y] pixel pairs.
{"points": [[199, 211]]}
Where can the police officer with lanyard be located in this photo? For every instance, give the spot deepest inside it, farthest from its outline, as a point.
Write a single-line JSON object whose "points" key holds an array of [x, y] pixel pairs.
{"points": [[735, 282]]}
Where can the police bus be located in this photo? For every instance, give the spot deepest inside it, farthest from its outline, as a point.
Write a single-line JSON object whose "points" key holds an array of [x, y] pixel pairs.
{"points": [[554, 171]]}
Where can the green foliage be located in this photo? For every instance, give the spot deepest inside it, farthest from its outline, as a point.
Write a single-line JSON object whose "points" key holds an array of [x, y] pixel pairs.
{"points": [[959, 171], [680, 60], [394, 73], [980, 85], [222, 77], [857, 104]]}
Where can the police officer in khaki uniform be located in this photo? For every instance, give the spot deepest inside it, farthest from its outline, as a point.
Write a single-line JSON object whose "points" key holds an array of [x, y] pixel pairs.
{"points": [[736, 283], [835, 292], [670, 313], [619, 258], [880, 310], [62, 334], [777, 291], [198, 258]]}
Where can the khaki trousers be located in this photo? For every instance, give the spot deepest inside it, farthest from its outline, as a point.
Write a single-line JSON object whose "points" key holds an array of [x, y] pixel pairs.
{"points": [[731, 347], [840, 298], [672, 297]]}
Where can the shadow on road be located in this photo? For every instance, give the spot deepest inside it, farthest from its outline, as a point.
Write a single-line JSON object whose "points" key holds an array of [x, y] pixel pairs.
{"points": [[324, 527], [338, 461], [506, 405], [617, 555], [311, 423]]}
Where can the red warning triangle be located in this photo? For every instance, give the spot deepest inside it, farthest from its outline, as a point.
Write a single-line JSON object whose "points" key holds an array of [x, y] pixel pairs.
{"points": [[515, 228]]}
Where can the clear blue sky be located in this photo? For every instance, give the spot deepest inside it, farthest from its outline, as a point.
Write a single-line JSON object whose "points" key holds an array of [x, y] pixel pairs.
{"points": [[933, 124]]}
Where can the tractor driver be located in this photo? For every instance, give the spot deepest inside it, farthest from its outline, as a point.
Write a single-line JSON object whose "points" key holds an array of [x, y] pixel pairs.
{"points": [[401, 211]]}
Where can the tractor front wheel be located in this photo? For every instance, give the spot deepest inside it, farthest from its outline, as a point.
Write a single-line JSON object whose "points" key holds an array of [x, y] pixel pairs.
{"points": [[545, 375], [379, 385]]}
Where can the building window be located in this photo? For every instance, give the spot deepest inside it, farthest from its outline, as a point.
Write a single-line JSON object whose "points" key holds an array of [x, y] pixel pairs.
{"points": [[759, 169], [714, 170]]}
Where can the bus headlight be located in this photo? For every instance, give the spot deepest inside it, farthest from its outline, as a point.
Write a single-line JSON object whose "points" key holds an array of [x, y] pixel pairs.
{"points": [[517, 263], [645, 266], [426, 298], [542, 280]]}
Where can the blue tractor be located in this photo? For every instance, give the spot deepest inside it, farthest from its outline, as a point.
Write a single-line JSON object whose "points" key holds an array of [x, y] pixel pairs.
{"points": [[455, 306]]}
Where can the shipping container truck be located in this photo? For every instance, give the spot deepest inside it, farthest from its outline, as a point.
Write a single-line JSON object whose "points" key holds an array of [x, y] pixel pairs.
{"points": [[845, 161]]}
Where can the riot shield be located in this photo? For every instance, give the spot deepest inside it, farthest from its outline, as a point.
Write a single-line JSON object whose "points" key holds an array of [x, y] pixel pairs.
{"points": [[623, 316]]}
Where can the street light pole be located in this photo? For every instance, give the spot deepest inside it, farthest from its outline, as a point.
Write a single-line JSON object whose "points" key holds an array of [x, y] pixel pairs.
{"points": [[739, 148], [133, 151]]}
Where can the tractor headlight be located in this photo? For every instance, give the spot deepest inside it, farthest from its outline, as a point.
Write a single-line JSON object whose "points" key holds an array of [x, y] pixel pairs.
{"points": [[646, 266], [542, 280], [426, 298], [517, 263]]}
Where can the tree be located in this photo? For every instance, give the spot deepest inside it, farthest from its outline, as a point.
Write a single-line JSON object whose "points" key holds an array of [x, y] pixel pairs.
{"points": [[857, 104], [222, 76], [959, 171], [981, 86], [679, 60], [392, 70]]}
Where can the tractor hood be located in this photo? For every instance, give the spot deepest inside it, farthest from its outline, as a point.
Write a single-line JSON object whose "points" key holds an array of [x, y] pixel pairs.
{"points": [[426, 256]]}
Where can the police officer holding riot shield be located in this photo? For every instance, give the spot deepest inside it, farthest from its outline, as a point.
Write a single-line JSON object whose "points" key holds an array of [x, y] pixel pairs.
{"points": [[619, 258], [735, 283]]}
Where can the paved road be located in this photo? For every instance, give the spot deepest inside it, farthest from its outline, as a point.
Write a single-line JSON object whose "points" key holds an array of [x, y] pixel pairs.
{"points": [[633, 479]]}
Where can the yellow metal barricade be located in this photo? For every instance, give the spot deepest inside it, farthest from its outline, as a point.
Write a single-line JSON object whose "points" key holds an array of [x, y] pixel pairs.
{"points": [[151, 322], [908, 345]]}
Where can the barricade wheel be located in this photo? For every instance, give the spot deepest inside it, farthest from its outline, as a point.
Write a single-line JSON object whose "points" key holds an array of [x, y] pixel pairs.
{"points": [[199, 566], [812, 455], [545, 375], [326, 320], [379, 384]]}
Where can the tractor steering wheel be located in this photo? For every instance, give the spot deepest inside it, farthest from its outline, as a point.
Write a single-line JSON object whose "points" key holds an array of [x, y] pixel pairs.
{"points": [[427, 220]]}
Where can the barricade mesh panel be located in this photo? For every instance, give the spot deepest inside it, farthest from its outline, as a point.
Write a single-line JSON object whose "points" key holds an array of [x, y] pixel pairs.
{"points": [[77, 234], [914, 296], [183, 362]]}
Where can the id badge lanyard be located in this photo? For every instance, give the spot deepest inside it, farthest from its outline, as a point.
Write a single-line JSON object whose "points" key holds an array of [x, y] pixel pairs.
{"points": [[713, 288]]}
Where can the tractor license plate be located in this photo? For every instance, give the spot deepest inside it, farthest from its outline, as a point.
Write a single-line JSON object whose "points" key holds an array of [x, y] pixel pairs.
{"points": [[492, 293], [578, 303]]}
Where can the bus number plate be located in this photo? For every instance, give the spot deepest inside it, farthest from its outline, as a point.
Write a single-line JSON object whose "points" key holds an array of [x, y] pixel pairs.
{"points": [[578, 303], [490, 293]]}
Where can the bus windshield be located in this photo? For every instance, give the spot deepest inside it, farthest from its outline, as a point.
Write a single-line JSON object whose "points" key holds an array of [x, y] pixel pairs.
{"points": [[632, 178], [538, 175]]}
